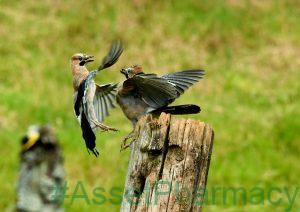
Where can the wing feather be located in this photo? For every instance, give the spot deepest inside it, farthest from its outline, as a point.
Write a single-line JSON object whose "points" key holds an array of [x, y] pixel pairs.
{"points": [[155, 91], [184, 79], [99, 102], [104, 100], [113, 55]]}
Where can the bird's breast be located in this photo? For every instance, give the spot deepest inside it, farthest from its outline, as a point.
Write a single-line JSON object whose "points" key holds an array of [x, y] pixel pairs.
{"points": [[132, 106]]}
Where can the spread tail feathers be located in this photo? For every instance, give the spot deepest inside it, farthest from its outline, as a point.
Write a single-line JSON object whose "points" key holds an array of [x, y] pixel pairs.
{"points": [[88, 135], [180, 109]]}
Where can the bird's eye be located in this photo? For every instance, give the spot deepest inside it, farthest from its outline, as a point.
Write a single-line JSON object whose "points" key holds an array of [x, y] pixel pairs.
{"points": [[80, 58]]}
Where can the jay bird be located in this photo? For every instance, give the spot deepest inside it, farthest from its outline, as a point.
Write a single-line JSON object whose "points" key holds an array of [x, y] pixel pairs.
{"points": [[92, 101], [143, 93]]}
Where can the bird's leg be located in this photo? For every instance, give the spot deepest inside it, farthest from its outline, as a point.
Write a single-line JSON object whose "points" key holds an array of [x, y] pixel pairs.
{"points": [[103, 126], [131, 136]]}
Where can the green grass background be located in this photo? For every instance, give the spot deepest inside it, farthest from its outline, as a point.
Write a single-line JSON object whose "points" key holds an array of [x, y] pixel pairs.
{"points": [[250, 95]]}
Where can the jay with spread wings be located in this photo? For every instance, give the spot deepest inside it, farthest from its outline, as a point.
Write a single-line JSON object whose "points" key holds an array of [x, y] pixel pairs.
{"points": [[139, 94], [92, 101], [143, 93]]}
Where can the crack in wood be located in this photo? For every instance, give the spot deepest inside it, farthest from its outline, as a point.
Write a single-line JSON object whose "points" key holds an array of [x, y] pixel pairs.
{"points": [[199, 165], [168, 152], [164, 153]]}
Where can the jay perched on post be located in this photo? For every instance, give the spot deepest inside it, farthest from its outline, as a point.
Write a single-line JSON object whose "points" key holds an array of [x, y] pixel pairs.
{"points": [[143, 93], [150, 93]]}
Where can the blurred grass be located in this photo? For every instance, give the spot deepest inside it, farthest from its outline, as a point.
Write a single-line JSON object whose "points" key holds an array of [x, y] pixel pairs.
{"points": [[250, 95]]}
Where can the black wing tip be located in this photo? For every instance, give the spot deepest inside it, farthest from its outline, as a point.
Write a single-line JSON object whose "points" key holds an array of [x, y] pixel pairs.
{"points": [[116, 48], [113, 55], [118, 43]]}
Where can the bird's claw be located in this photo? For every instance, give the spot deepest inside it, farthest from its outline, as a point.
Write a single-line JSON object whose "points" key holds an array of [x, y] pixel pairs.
{"points": [[124, 144], [111, 129], [104, 127]]}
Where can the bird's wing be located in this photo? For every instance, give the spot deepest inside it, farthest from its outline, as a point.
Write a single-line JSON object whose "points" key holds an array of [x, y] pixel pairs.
{"points": [[113, 55], [111, 58], [184, 79], [155, 91], [89, 95], [105, 97]]}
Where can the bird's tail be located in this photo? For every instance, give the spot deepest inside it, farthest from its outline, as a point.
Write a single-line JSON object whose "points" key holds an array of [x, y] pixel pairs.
{"points": [[180, 109], [88, 135]]}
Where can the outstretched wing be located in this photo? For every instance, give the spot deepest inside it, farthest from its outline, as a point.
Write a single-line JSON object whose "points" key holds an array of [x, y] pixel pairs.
{"points": [[112, 57], [184, 79], [155, 91], [89, 95], [104, 100]]}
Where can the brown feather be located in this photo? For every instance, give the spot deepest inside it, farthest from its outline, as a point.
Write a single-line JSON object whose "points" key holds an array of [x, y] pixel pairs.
{"points": [[79, 73]]}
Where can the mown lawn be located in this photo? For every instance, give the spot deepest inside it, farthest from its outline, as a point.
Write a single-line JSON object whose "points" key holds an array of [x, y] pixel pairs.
{"points": [[250, 95]]}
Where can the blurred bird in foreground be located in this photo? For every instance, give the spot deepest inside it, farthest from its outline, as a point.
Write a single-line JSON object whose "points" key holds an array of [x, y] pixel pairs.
{"points": [[92, 101], [143, 93], [41, 171]]}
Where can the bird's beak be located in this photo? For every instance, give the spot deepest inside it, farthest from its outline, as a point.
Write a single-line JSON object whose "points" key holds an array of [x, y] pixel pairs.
{"points": [[89, 58], [123, 71], [33, 137]]}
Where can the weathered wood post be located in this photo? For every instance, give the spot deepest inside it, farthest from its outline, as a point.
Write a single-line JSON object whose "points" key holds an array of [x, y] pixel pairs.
{"points": [[168, 165]]}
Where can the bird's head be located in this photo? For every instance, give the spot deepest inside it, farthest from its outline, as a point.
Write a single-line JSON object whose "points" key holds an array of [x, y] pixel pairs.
{"points": [[81, 59], [39, 136], [132, 71]]}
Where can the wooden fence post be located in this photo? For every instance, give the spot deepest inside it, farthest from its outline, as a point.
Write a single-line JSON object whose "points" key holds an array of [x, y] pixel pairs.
{"points": [[168, 165]]}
